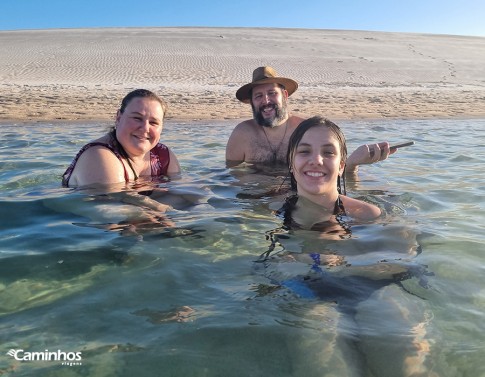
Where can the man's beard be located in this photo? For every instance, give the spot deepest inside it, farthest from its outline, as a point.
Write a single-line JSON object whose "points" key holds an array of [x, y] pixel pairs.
{"points": [[280, 114]]}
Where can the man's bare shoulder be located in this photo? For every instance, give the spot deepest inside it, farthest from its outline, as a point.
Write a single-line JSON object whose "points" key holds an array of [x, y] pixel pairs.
{"points": [[239, 142], [247, 127], [294, 120]]}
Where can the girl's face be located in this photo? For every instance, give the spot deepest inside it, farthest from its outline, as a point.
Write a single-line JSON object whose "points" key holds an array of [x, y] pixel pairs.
{"points": [[139, 127], [317, 163]]}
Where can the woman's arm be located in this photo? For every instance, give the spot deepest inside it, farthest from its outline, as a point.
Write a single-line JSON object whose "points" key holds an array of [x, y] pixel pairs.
{"points": [[97, 165], [174, 165]]}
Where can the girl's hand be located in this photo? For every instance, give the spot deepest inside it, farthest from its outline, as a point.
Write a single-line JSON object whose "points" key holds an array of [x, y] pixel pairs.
{"points": [[368, 154]]}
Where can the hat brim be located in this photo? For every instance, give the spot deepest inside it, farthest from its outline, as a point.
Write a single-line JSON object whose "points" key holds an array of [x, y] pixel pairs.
{"points": [[243, 94]]}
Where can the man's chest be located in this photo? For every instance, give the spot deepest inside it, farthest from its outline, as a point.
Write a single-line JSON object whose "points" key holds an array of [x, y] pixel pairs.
{"points": [[261, 150]]}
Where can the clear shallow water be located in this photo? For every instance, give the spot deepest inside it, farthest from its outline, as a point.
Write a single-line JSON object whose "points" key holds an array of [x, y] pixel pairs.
{"points": [[87, 273]]}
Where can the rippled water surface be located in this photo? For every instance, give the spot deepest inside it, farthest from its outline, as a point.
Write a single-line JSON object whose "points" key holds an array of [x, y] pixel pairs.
{"points": [[120, 290]]}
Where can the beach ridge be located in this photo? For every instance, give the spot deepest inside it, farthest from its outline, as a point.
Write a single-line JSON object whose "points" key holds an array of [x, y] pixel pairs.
{"points": [[82, 74]]}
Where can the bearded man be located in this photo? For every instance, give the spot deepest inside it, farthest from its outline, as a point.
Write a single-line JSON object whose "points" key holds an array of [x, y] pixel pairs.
{"points": [[264, 139]]}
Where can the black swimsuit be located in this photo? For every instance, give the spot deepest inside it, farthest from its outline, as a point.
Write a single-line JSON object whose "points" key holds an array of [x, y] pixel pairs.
{"points": [[288, 223], [346, 291]]}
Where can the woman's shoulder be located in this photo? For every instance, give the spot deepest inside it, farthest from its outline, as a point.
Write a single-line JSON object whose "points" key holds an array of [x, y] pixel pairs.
{"points": [[105, 139], [359, 209], [101, 142], [101, 149]]}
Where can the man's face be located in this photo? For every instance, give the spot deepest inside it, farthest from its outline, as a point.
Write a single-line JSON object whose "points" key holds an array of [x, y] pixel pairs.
{"points": [[269, 104]]}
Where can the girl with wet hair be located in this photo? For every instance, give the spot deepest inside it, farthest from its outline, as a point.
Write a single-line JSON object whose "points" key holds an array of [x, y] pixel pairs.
{"points": [[316, 157]]}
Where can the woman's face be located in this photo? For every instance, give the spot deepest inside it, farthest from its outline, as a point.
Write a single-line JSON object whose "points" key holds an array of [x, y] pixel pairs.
{"points": [[139, 127], [317, 163]]}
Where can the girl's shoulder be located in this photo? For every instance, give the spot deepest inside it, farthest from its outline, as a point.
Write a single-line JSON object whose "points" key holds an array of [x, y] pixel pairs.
{"points": [[359, 209]]}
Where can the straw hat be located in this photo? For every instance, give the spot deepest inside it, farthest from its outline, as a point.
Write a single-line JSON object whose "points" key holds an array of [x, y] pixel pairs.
{"points": [[265, 75]]}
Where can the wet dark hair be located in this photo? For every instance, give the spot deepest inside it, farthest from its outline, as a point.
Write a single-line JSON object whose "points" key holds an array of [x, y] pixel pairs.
{"points": [[142, 93], [316, 121], [137, 93]]}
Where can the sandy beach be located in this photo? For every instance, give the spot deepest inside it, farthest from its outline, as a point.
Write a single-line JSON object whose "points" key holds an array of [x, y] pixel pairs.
{"points": [[82, 74]]}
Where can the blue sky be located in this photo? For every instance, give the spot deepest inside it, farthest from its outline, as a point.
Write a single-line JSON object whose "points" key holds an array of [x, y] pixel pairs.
{"points": [[465, 17]]}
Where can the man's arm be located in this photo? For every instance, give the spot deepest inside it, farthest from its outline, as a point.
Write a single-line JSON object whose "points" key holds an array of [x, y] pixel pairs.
{"points": [[237, 145]]}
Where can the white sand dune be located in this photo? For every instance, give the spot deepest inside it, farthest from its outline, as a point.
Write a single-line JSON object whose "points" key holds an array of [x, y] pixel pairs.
{"points": [[84, 73]]}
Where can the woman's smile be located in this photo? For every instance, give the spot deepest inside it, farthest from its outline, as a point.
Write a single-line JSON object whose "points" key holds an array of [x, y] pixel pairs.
{"points": [[314, 174]]}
